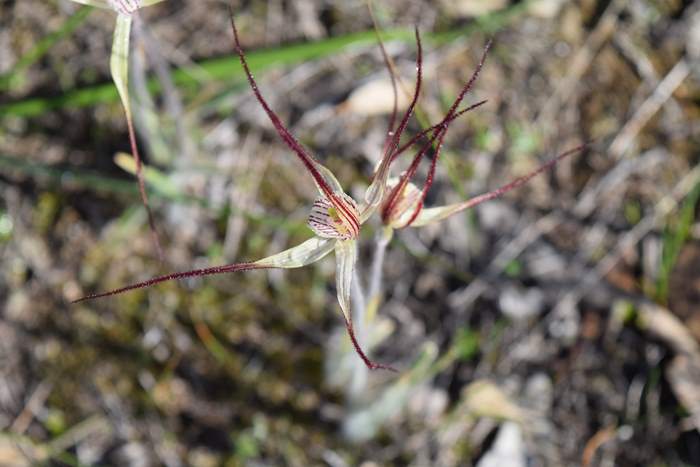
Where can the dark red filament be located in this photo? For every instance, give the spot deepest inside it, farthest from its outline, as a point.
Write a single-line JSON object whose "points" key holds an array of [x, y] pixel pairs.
{"points": [[369, 363], [177, 275], [439, 132], [305, 158]]}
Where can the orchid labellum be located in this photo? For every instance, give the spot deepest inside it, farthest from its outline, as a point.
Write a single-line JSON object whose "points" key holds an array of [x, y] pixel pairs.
{"points": [[336, 218]]}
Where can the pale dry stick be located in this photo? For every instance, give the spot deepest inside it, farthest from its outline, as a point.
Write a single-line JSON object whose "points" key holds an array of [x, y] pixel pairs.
{"points": [[31, 408], [613, 184], [624, 138], [665, 325], [578, 66], [91, 427], [662, 208], [651, 105], [614, 179], [643, 65]]}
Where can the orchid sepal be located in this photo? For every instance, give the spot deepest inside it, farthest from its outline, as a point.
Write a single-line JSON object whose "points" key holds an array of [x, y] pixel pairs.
{"points": [[123, 7], [308, 252], [305, 253]]}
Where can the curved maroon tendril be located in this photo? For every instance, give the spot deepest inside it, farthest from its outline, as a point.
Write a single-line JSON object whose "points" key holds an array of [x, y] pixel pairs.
{"points": [[520, 180], [437, 126], [175, 276], [389, 149], [369, 363], [392, 76], [305, 158], [439, 132]]}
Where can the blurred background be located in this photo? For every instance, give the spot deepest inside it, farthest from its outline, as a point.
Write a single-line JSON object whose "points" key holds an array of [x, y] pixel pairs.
{"points": [[558, 325]]}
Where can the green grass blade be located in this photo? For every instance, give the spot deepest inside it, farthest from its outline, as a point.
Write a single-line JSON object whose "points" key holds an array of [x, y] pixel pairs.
{"points": [[228, 68], [71, 178], [674, 239]]}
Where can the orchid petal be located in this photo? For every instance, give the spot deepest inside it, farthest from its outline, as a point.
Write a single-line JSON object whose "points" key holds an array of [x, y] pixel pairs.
{"points": [[328, 177], [95, 3], [308, 252], [305, 253], [121, 6], [345, 257], [436, 214]]}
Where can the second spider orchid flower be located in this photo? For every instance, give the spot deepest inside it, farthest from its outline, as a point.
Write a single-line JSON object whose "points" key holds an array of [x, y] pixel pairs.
{"points": [[402, 204]]}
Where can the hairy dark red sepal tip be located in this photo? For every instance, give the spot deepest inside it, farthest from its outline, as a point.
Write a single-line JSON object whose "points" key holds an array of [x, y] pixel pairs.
{"points": [[358, 349], [176, 276]]}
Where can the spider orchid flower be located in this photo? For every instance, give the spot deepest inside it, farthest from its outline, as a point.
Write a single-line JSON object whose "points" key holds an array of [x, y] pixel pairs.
{"points": [[119, 67], [335, 217]]}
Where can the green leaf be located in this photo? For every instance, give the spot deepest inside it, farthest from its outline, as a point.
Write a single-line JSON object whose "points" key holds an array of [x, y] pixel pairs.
{"points": [[229, 69]]}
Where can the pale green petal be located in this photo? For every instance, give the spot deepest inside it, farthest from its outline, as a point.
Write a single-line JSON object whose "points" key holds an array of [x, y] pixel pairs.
{"points": [[305, 253], [328, 177], [95, 3], [119, 62], [345, 257], [375, 191], [106, 5]]}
